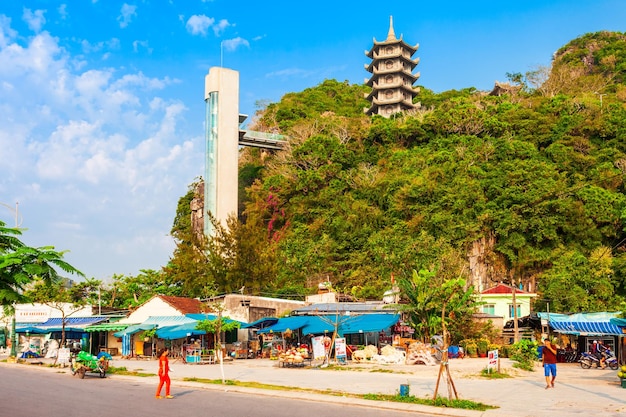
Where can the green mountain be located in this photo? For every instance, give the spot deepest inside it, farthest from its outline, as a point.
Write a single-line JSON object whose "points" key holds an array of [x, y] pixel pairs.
{"points": [[525, 188]]}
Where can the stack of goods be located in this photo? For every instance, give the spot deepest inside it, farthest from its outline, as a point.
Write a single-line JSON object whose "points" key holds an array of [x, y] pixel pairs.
{"points": [[419, 353], [365, 354], [294, 356]]}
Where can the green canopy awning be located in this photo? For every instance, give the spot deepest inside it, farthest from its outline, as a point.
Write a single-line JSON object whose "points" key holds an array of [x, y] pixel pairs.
{"points": [[106, 327]]}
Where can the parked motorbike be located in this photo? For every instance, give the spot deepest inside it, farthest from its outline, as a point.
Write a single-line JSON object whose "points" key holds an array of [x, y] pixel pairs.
{"points": [[587, 360], [611, 360]]}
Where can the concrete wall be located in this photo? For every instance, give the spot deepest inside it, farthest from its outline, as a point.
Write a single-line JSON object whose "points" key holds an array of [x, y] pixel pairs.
{"points": [[239, 307]]}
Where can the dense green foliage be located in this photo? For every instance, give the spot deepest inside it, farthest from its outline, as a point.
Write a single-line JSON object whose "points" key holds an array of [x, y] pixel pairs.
{"points": [[21, 266], [524, 354], [529, 185]]}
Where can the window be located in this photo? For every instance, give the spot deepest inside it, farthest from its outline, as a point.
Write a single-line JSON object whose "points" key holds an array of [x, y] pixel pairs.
{"points": [[512, 313], [489, 309], [389, 64], [390, 50]]}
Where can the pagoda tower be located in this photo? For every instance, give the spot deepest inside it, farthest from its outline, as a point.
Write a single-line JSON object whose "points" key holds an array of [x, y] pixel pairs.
{"points": [[392, 75]]}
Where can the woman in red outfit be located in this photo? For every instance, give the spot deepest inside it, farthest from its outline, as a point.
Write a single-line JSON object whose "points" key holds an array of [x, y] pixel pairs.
{"points": [[164, 369]]}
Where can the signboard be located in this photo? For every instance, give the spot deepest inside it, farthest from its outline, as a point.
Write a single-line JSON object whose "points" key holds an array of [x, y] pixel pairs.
{"points": [[340, 350], [318, 347], [63, 356], [492, 356]]}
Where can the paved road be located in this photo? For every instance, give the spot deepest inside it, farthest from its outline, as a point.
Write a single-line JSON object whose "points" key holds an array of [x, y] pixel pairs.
{"points": [[578, 391], [28, 392]]}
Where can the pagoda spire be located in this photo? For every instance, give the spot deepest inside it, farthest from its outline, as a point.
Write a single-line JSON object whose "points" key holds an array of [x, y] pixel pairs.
{"points": [[391, 36]]}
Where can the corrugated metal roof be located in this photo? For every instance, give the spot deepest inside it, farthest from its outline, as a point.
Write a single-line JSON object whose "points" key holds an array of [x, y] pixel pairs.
{"points": [[162, 321], [72, 321], [329, 308]]}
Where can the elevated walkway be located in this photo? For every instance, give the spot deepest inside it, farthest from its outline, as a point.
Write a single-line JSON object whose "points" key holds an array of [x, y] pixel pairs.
{"points": [[261, 140]]}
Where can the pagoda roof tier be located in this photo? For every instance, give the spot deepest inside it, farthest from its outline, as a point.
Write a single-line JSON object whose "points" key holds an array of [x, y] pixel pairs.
{"points": [[379, 74], [403, 45], [374, 109], [407, 88], [395, 55], [393, 100], [412, 62]]}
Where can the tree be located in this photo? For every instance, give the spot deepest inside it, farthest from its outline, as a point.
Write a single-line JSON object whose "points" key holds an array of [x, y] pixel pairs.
{"points": [[21, 266], [59, 296], [427, 296], [218, 325], [130, 291]]}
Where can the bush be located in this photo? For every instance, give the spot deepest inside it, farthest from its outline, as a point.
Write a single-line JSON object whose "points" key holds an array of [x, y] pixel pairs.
{"points": [[524, 354], [482, 345]]}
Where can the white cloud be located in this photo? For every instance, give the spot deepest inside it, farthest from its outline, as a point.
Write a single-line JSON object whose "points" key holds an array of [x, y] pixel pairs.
{"points": [[62, 10], [39, 56], [233, 44], [199, 24], [97, 157], [35, 20], [6, 33], [127, 13], [88, 47], [220, 27], [143, 44]]}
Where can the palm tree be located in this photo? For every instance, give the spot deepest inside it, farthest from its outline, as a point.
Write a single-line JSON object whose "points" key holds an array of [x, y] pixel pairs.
{"points": [[21, 265]]}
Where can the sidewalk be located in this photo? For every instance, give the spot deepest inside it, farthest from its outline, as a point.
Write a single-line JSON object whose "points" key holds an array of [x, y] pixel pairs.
{"points": [[577, 391]]}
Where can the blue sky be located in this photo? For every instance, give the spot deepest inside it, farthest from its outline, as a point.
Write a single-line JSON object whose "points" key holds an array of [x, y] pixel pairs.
{"points": [[101, 102]]}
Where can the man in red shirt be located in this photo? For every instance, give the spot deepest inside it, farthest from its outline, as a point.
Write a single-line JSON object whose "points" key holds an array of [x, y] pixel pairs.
{"points": [[549, 362]]}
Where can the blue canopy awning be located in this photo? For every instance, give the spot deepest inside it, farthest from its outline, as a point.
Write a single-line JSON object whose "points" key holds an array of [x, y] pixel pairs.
{"points": [[588, 324], [260, 323], [370, 323], [363, 323], [134, 328], [321, 324], [179, 332], [619, 322], [154, 322], [32, 330], [291, 323]]}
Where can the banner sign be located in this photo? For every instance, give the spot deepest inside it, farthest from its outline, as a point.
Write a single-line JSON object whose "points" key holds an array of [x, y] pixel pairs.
{"points": [[318, 347], [492, 356], [340, 349]]}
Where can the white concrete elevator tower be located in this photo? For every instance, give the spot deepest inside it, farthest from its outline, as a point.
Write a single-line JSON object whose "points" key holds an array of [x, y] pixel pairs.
{"points": [[221, 95]]}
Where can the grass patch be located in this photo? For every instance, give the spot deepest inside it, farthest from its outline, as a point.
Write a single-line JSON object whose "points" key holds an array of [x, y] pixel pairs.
{"points": [[389, 371], [123, 371], [494, 374], [260, 385], [439, 402]]}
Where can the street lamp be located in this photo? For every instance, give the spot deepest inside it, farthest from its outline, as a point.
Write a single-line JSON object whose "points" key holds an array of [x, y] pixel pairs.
{"points": [[595, 92], [18, 222]]}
